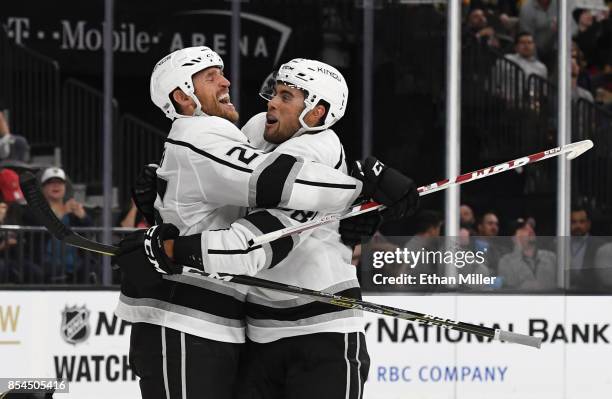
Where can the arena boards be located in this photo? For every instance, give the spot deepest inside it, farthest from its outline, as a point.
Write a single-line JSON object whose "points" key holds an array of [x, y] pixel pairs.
{"points": [[74, 335]]}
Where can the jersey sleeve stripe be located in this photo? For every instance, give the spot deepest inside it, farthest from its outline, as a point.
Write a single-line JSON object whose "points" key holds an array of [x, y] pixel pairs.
{"points": [[330, 185], [209, 156], [339, 164], [232, 251], [272, 180], [266, 222]]}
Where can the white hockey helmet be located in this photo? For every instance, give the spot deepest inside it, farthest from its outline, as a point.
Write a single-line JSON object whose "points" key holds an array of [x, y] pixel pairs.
{"points": [[320, 81], [175, 71]]}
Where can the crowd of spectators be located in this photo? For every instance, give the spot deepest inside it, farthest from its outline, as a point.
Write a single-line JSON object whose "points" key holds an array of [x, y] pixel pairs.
{"points": [[520, 33], [29, 254], [525, 33], [520, 260]]}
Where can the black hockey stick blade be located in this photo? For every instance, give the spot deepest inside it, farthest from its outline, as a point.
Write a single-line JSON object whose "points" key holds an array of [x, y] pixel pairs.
{"points": [[39, 207]]}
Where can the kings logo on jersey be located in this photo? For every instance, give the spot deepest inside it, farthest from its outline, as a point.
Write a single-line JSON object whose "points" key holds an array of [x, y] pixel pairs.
{"points": [[75, 324]]}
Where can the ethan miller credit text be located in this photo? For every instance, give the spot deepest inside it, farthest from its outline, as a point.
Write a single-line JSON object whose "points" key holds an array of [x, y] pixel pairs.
{"points": [[414, 267]]}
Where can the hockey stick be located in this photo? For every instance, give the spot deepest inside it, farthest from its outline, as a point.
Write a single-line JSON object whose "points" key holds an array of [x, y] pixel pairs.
{"points": [[39, 206], [572, 150]]}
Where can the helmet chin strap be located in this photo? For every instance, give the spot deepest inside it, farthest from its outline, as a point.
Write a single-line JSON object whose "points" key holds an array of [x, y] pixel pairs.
{"points": [[305, 128], [198, 109], [198, 106]]}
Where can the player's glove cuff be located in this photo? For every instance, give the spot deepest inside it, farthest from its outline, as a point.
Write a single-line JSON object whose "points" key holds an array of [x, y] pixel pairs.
{"points": [[388, 187], [154, 248]]}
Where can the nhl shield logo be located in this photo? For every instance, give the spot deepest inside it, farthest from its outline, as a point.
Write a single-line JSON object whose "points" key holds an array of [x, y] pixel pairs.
{"points": [[75, 324]]}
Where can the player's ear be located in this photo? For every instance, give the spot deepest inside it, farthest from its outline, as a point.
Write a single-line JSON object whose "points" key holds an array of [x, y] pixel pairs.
{"points": [[181, 101], [318, 111], [318, 114], [180, 97]]}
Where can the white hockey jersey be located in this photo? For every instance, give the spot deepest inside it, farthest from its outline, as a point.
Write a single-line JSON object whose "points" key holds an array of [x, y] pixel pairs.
{"points": [[208, 175], [318, 260]]}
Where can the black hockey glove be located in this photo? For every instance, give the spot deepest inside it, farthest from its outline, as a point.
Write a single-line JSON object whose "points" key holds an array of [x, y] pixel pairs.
{"points": [[133, 263], [388, 187], [144, 192], [353, 230], [154, 239]]}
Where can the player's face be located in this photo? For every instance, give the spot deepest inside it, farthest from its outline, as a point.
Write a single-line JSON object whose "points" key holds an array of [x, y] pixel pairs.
{"points": [[282, 118], [212, 89]]}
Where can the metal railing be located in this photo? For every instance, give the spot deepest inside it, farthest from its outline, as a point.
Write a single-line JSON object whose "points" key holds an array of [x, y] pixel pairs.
{"points": [[137, 144], [509, 114], [81, 137], [30, 255], [592, 177], [501, 106], [30, 83]]}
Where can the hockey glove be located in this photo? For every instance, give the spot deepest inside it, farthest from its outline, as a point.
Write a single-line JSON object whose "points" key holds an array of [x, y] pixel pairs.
{"points": [[154, 248], [133, 263], [388, 187], [144, 192], [352, 230]]}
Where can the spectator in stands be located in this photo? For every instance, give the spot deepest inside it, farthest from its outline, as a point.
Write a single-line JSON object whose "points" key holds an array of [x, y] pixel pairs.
{"points": [[593, 31], [6, 240], [527, 267], [583, 19], [61, 263], [578, 93], [539, 17], [603, 268], [525, 58], [9, 187], [12, 146], [427, 224], [466, 244], [14, 266], [466, 217], [133, 218], [71, 213], [477, 32], [11, 205], [487, 227], [583, 248], [506, 11]]}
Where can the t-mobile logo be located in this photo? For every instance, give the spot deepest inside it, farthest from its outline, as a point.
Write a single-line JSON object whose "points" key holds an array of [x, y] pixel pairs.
{"points": [[18, 28]]}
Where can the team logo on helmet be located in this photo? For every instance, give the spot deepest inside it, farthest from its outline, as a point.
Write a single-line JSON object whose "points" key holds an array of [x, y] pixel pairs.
{"points": [[75, 324]]}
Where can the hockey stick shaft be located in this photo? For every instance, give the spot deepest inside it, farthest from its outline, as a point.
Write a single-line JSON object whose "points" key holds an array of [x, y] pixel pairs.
{"points": [[572, 150], [353, 303], [39, 206]]}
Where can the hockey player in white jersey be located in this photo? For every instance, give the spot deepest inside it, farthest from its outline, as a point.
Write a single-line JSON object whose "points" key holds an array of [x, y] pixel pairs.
{"points": [[294, 341], [208, 175]]}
